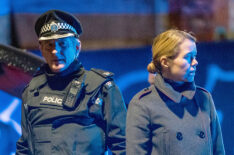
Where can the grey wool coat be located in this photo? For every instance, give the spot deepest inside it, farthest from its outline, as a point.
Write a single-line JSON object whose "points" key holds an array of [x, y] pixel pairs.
{"points": [[164, 121]]}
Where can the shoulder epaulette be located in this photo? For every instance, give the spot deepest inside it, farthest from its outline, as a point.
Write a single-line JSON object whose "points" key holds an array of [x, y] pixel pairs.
{"points": [[102, 73], [38, 72], [37, 80], [25, 87], [145, 92], [203, 89], [96, 78]]}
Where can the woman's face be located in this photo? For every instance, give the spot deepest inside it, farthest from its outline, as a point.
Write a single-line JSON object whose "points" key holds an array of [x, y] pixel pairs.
{"points": [[183, 67]]}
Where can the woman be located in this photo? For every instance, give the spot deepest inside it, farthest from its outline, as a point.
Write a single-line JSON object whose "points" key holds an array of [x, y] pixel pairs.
{"points": [[173, 116]]}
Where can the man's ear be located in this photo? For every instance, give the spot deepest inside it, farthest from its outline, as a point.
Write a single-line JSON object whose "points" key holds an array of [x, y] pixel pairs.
{"points": [[40, 45], [78, 44], [164, 62], [78, 47]]}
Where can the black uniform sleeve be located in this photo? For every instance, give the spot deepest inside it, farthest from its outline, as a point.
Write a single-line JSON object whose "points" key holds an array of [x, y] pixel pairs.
{"points": [[218, 146], [115, 118], [22, 146], [138, 139]]}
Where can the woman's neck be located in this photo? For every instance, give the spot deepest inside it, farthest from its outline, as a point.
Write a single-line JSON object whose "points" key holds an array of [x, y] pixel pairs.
{"points": [[179, 86]]}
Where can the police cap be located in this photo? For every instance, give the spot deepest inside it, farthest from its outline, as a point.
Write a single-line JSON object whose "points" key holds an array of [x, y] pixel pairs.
{"points": [[55, 24]]}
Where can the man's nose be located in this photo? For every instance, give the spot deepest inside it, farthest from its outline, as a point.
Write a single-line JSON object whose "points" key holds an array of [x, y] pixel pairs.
{"points": [[56, 49]]}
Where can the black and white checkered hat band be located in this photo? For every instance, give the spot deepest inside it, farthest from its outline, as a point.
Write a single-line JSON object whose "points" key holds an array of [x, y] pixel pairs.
{"points": [[54, 27]]}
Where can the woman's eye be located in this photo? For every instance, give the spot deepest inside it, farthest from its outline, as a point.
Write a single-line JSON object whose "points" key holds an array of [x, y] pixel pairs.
{"points": [[190, 58], [187, 57]]}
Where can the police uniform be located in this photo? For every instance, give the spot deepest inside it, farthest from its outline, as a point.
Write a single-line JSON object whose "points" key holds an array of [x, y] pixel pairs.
{"points": [[166, 119], [53, 125], [75, 112]]}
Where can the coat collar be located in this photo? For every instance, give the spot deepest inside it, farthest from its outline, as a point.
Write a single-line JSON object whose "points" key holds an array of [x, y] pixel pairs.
{"points": [[166, 88], [75, 69]]}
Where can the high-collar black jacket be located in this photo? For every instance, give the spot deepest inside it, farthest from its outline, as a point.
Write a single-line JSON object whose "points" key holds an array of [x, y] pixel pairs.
{"points": [[168, 119], [76, 112]]}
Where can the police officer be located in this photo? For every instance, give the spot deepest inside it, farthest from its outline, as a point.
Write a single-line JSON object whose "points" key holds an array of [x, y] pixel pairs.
{"points": [[66, 109]]}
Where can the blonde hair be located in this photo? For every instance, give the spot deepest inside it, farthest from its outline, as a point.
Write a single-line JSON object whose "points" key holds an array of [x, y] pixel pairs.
{"points": [[166, 44]]}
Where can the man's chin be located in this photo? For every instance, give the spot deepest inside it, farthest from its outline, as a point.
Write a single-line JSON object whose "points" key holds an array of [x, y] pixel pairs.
{"points": [[58, 68]]}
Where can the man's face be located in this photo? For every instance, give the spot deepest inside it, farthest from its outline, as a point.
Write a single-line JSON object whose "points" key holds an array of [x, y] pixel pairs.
{"points": [[183, 67], [60, 53]]}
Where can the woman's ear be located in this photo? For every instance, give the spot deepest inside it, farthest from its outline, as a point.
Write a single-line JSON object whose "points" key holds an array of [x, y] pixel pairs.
{"points": [[164, 62]]}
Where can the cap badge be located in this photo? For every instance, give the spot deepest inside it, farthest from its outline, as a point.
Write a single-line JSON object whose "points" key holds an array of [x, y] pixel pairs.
{"points": [[54, 27]]}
